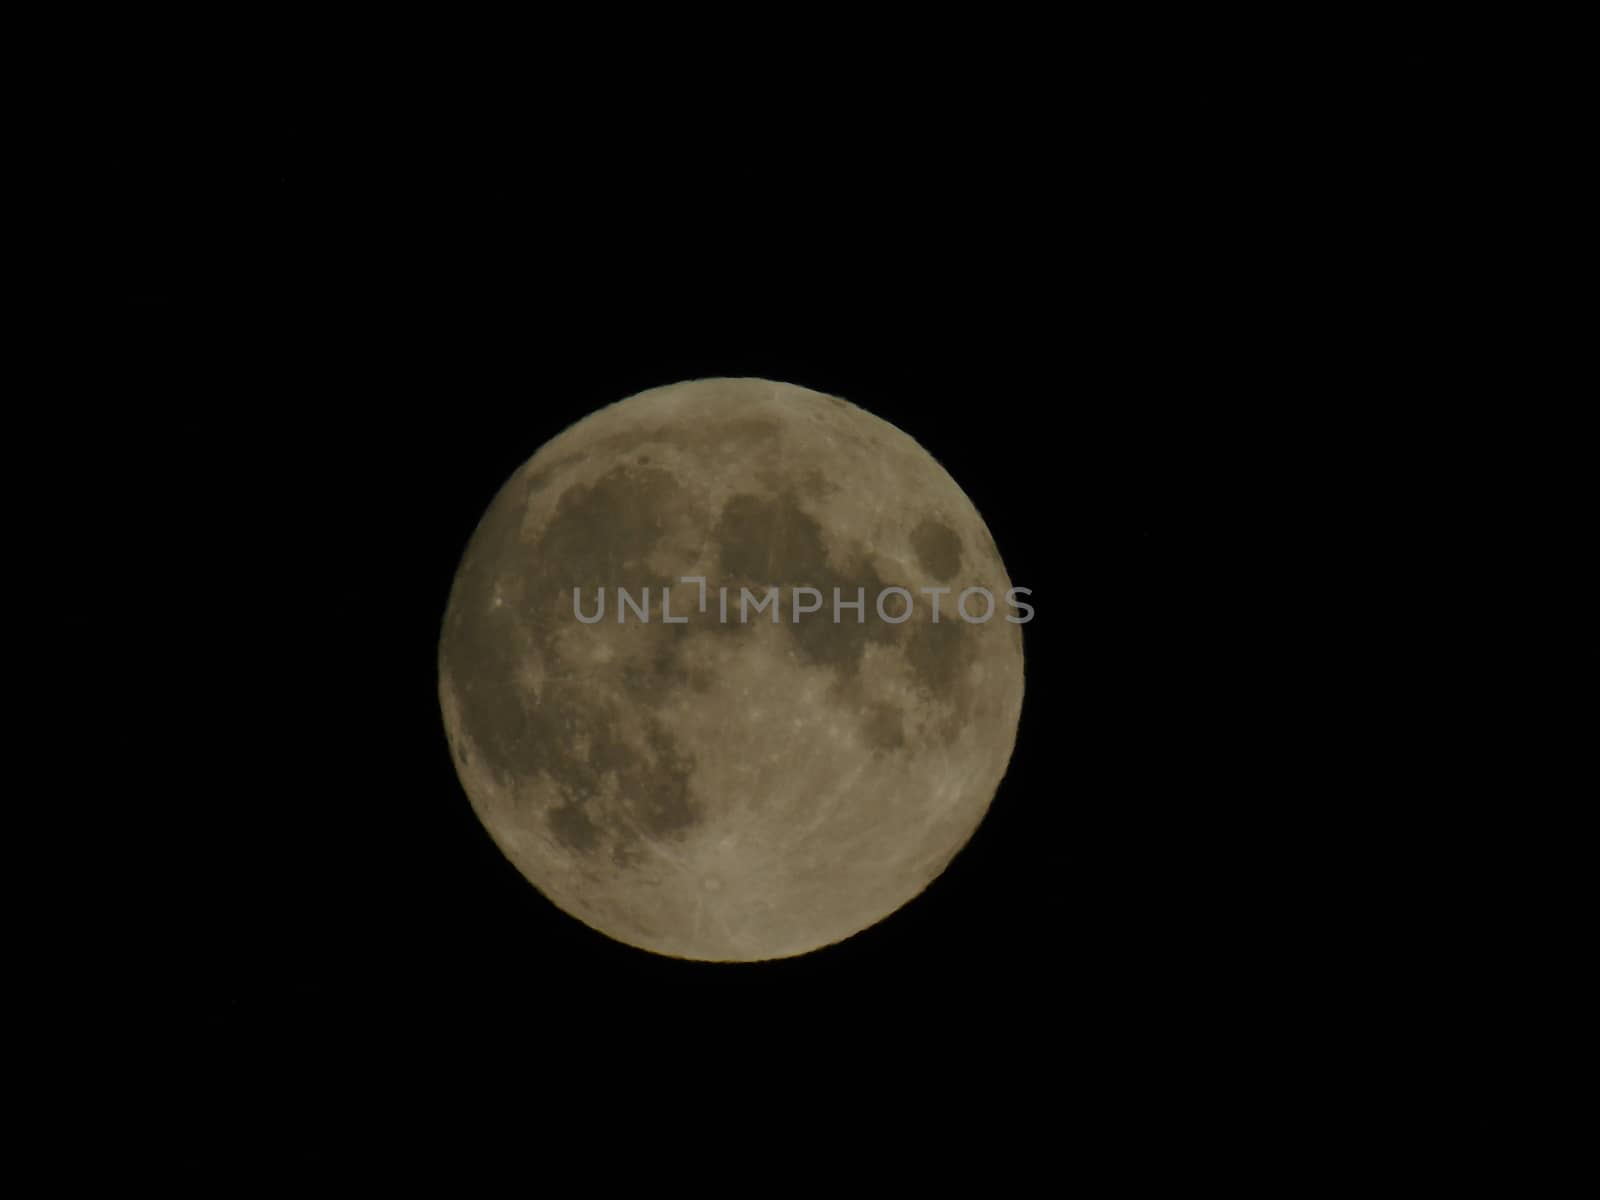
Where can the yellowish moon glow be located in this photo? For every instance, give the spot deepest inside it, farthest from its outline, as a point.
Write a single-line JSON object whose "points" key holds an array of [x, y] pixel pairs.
{"points": [[722, 788]]}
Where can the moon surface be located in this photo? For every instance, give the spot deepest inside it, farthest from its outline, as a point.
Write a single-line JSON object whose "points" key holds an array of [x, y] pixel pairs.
{"points": [[731, 790]]}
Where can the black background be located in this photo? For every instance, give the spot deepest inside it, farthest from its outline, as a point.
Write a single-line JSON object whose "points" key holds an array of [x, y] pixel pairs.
{"points": [[1196, 343], [329, 364]]}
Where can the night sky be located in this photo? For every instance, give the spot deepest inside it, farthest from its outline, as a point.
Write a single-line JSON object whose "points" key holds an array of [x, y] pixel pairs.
{"points": [[327, 364]]}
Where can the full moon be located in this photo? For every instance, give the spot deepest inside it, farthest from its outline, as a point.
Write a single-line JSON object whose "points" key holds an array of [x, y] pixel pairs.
{"points": [[792, 710]]}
